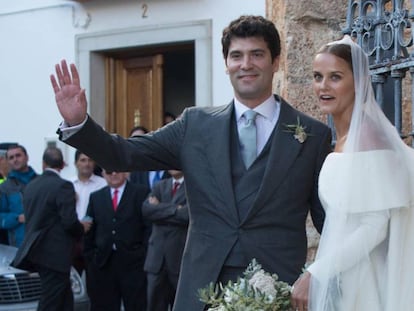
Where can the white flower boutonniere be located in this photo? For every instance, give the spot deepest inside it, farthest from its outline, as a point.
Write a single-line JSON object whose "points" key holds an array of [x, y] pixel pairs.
{"points": [[257, 290], [298, 131]]}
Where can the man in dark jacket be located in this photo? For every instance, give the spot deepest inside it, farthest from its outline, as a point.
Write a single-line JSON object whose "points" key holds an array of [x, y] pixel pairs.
{"points": [[166, 207], [52, 228], [115, 247]]}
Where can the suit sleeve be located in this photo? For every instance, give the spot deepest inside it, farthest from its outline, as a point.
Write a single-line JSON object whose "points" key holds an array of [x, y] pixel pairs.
{"points": [[66, 201], [165, 212], [370, 232], [157, 150]]}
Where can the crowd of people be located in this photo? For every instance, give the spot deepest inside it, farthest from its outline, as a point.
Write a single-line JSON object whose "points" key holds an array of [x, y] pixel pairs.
{"points": [[112, 235], [254, 169]]}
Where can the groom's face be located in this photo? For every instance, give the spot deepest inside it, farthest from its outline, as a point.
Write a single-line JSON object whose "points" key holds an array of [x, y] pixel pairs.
{"points": [[251, 68]]}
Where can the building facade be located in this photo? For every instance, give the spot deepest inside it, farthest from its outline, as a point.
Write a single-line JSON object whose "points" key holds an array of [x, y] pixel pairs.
{"points": [[101, 35]]}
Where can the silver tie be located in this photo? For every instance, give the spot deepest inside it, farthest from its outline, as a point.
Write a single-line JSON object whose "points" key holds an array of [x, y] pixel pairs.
{"points": [[247, 137]]}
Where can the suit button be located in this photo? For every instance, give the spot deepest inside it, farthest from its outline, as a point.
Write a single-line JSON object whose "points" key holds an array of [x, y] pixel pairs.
{"points": [[113, 219], [113, 231]]}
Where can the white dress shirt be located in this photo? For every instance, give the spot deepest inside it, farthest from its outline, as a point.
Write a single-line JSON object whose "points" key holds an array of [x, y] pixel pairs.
{"points": [[179, 180], [268, 114], [83, 189]]}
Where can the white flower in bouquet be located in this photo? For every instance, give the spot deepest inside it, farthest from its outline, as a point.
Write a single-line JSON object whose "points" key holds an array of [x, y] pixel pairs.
{"points": [[264, 283], [257, 290]]}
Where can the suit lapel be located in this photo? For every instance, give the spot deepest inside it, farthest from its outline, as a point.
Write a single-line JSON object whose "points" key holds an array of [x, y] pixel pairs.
{"points": [[124, 197], [108, 199], [218, 140], [283, 152], [168, 191]]}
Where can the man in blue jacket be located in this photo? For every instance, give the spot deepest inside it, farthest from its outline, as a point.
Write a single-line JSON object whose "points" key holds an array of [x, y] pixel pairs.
{"points": [[11, 193]]}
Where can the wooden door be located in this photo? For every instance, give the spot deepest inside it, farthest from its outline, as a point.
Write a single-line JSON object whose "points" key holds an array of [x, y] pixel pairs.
{"points": [[134, 93]]}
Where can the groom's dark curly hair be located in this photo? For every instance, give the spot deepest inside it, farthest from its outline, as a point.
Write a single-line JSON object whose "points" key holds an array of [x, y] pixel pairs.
{"points": [[252, 26]]}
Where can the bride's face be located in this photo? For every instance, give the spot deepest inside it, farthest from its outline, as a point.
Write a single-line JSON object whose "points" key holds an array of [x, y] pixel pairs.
{"points": [[333, 83]]}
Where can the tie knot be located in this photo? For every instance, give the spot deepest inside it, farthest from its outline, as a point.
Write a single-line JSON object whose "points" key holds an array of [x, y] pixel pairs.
{"points": [[250, 115]]}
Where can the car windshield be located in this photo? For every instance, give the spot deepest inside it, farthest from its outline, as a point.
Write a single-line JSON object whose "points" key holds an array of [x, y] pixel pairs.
{"points": [[7, 254]]}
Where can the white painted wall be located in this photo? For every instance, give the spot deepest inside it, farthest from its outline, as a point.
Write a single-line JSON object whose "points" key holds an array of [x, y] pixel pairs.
{"points": [[34, 35]]}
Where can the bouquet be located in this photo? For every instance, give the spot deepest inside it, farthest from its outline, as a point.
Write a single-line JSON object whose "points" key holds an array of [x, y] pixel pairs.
{"points": [[258, 290]]}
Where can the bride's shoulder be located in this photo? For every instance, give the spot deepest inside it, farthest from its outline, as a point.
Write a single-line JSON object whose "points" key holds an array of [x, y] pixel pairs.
{"points": [[370, 155], [371, 162]]}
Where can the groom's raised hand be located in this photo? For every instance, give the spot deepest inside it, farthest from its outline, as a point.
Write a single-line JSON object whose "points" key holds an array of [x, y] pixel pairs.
{"points": [[70, 97]]}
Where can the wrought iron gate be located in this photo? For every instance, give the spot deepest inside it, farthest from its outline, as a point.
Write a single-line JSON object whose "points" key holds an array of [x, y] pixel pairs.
{"points": [[384, 29]]}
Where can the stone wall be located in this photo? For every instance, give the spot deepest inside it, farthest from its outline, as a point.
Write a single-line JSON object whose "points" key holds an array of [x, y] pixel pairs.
{"points": [[304, 26]]}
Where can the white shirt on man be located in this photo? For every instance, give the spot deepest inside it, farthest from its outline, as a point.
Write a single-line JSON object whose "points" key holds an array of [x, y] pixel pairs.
{"points": [[83, 189]]}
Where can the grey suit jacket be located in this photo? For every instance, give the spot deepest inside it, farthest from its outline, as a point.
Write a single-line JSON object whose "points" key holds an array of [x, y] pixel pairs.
{"points": [[169, 227], [273, 230]]}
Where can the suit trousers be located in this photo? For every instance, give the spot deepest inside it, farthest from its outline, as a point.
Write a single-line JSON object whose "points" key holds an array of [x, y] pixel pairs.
{"points": [[56, 290], [78, 261], [116, 281], [161, 289]]}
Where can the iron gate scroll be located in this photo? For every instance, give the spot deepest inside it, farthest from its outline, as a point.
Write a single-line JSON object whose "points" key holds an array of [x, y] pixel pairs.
{"points": [[383, 28]]}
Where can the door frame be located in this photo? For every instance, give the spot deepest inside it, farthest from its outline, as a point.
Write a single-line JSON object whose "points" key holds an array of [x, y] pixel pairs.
{"points": [[89, 49]]}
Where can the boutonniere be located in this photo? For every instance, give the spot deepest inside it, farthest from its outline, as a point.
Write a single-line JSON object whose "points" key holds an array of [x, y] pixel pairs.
{"points": [[298, 131]]}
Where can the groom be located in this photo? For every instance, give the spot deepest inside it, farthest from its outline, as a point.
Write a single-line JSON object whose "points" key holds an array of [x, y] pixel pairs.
{"points": [[238, 210]]}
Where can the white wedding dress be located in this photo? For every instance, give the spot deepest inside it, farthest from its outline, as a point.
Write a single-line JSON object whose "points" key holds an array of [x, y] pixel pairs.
{"points": [[360, 264]]}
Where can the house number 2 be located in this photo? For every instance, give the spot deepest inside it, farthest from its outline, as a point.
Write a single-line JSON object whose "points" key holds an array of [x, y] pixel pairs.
{"points": [[144, 8]]}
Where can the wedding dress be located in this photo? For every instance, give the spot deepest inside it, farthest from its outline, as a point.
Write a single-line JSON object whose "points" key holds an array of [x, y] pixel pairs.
{"points": [[353, 271], [365, 259]]}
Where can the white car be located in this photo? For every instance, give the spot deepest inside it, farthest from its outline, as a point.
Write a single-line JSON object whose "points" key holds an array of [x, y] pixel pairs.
{"points": [[20, 289]]}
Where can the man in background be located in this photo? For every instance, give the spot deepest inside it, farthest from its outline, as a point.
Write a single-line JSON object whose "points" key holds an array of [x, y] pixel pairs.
{"points": [[52, 227], [85, 183], [166, 207], [115, 247], [12, 217]]}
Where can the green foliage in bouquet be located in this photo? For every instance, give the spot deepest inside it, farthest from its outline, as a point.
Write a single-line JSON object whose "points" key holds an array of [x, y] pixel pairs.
{"points": [[256, 291]]}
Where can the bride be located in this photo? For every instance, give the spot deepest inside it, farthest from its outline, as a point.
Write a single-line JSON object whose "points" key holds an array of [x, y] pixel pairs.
{"points": [[365, 260]]}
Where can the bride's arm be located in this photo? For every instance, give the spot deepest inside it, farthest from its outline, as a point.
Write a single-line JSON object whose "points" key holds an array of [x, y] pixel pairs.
{"points": [[370, 232]]}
